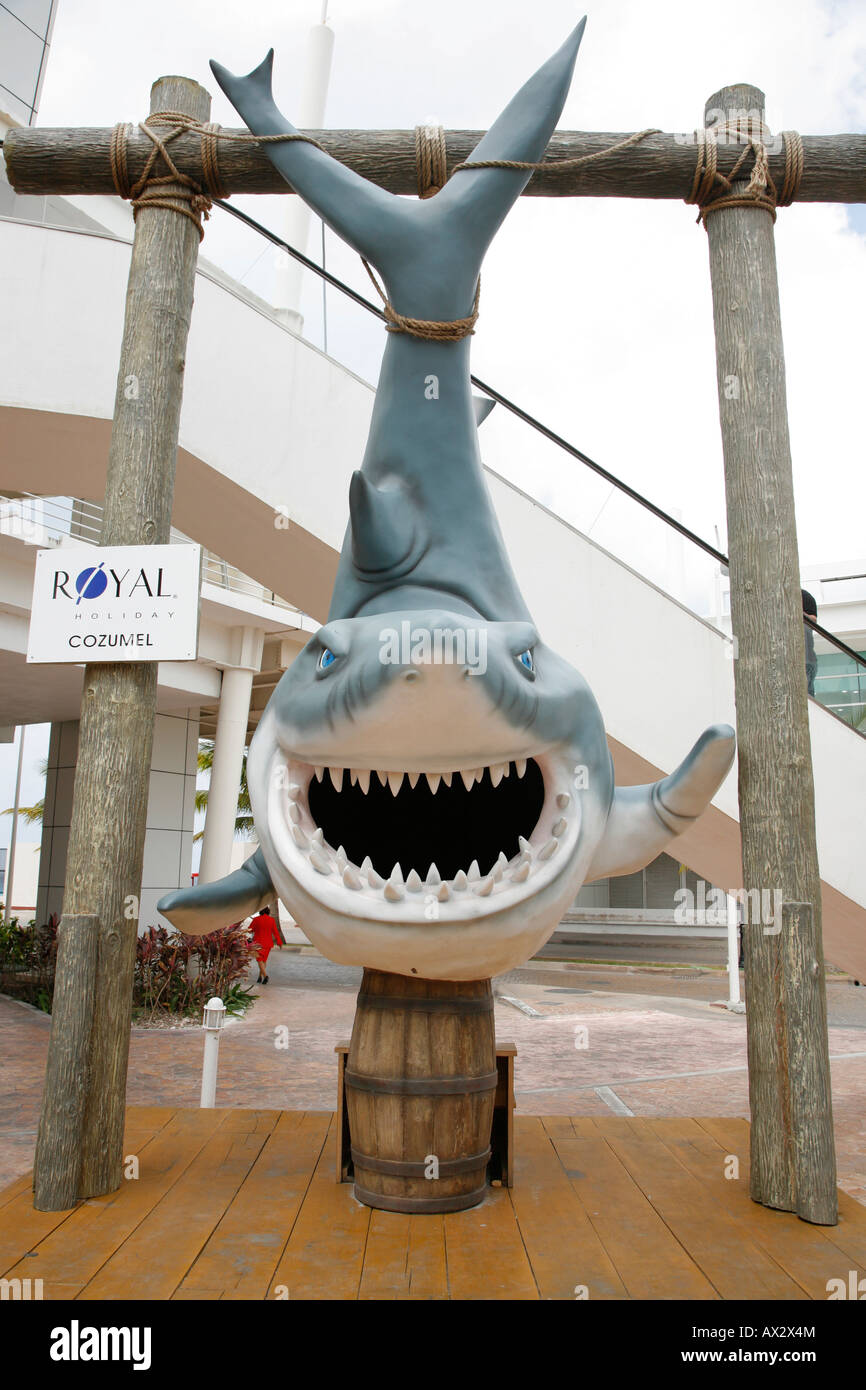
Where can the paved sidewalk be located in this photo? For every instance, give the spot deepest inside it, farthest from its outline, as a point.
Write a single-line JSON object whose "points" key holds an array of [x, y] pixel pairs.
{"points": [[592, 1040]]}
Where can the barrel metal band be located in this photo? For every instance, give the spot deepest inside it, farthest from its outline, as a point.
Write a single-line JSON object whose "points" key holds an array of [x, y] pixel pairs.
{"points": [[429, 1205], [482, 1005], [405, 1168], [422, 1086]]}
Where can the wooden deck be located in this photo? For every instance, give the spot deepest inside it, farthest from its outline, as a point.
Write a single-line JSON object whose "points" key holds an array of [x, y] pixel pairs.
{"points": [[243, 1204]]}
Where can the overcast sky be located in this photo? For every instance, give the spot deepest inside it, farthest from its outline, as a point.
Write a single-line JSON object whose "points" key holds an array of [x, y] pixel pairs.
{"points": [[596, 314]]}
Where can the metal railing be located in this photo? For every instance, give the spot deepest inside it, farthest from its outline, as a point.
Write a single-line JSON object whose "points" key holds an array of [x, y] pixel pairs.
{"points": [[51, 521]]}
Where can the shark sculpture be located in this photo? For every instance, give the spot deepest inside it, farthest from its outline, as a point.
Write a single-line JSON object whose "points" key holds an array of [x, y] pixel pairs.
{"points": [[431, 783]]}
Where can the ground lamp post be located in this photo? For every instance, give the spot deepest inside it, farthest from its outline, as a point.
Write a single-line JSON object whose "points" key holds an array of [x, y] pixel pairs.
{"points": [[212, 1023]]}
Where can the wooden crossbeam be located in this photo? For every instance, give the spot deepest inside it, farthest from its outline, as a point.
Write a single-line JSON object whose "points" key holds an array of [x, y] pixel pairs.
{"points": [[46, 160]]}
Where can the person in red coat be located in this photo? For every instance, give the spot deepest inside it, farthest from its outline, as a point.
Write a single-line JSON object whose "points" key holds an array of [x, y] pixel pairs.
{"points": [[266, 934]]}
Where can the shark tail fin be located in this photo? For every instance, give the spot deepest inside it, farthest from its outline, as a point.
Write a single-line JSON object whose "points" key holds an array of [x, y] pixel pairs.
{"points": [[383, 228]]}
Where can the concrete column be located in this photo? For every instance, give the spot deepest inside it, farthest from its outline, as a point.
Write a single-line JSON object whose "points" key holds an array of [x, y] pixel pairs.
{"points": [[229, 745], [308, 114]]}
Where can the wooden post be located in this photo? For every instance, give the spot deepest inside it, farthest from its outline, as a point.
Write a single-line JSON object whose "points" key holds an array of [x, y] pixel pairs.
{"points": [[793, 1161], [80, 1146]]}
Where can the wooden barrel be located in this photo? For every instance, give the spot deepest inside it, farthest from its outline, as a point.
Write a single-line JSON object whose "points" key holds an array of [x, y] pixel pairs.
{"points": [[420, 1084]]}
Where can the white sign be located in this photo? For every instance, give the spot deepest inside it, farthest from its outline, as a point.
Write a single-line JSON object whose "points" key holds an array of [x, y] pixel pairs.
{"points": [[115, 603]]}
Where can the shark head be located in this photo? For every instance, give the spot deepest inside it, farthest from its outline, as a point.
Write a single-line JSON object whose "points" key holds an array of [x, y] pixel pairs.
{"points": [[420, 784]]}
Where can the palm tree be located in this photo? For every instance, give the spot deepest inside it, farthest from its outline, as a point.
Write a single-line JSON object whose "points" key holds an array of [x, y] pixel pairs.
{"points": [[32, 814], [244, 824]]}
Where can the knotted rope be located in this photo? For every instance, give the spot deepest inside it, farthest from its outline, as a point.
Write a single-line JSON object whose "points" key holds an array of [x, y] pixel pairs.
{"points": [[760, 191], [574, 163], [448, 331], [432, 174], [430, 159], [174, 191]]}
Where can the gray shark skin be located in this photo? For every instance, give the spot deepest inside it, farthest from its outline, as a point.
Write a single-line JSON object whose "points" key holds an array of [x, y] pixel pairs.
{"points": [[427, 716]]}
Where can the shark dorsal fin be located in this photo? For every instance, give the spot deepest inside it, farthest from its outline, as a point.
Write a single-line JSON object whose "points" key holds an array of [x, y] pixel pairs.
{"points": [[383, 526]]}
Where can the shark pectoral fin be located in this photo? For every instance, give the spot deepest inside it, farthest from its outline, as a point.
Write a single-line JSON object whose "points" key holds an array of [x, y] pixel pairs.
{"points": [[197, 911], [482, 406], [644, 819]]}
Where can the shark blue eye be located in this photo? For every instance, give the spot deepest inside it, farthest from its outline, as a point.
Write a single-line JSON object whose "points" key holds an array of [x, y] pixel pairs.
{"points": [[326, 659], [525, 659]]}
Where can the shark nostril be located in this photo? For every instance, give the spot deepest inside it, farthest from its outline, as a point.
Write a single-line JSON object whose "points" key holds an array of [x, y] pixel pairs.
{"points": [[411, 675]]}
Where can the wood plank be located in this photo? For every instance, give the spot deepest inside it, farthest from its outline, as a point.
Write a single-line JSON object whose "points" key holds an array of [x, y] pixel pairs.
{"points": [[648, 1259], [154, 1259], [811, 1254], [486, 1255], [150, 1117], [737, 1267], [73, 1253], [582, 1126], [555, 1126], [22, 1228], [404, 1258], [561, 1242], [243, 1252], [324, 1257], [15, 1188]]}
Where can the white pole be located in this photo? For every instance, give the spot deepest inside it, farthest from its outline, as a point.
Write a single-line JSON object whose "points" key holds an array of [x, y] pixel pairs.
{"points": [[13, 838], [214, 1017], [308, 114], [733, 951], [209, 1069]]}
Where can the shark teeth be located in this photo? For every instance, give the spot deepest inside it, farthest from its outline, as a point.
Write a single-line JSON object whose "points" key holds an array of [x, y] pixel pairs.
{"points": [[393, 891], [393, 778], [481, 879]]}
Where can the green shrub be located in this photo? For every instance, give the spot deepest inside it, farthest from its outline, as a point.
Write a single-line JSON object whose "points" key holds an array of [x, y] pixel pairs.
{"points": [[27, 959], [177, 974]]}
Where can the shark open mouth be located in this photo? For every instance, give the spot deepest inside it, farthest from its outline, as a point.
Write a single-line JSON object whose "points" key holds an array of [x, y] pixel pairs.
{"points": [[433, 824], [409, 836]]}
